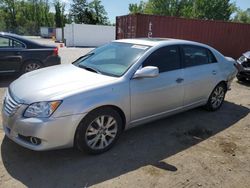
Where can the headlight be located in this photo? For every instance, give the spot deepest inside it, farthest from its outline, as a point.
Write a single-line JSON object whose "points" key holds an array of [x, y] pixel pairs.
{"points": [[41, 109]]}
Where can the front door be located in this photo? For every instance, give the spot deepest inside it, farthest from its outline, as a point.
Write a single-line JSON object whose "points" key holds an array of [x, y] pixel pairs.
{"points": [[155, 96]]}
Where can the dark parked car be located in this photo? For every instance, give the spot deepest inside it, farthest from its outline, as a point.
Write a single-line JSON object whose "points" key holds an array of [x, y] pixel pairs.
{"points": [[243, 64], [20, 55]]}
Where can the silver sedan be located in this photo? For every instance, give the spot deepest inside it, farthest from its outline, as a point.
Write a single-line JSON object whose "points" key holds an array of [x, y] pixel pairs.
{"points": [[125, 83]]}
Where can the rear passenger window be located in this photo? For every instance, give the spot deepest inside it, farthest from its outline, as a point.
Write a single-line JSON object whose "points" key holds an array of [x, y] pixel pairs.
{"points": [[195, 56], [16, 44], [166, 59], [10, 43], [211, 57]]}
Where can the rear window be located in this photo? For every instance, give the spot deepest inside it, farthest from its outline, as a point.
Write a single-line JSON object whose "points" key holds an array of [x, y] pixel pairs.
{"points": [[10, 43]]}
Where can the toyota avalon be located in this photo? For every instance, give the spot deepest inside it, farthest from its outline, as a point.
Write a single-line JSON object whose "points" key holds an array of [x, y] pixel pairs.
{"points": [[89, 103]]}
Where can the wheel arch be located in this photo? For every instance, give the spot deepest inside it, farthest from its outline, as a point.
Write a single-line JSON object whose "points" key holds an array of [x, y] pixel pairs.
{"points": [[116, 108], [223, 82], [30, 60]]}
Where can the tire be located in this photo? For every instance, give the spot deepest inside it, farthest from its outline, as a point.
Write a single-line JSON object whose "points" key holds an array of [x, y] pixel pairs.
{"points": [[31, 66], [216, 98], [98, 131], [241, 79]]}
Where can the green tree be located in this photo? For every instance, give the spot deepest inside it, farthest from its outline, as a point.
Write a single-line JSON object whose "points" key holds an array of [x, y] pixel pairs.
{"points": [[181, 8], [2, 22], [242, 16], [213, 9], [80, 12], [99, 13], [185, 8], [136, 8], [59, 14], [202, 9], [25, 16], [167, 7], [9, 9]]}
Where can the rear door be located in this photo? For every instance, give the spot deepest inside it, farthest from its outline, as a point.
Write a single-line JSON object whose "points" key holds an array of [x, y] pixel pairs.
{"points": [[200, 74], [10, 54], [153, 96]]}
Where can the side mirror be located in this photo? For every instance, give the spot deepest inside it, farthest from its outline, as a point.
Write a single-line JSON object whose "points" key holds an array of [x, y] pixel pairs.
{"points": [[147, 72]]}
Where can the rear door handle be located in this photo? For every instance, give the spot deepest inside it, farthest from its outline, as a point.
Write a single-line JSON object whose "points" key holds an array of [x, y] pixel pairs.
{"points": [[179, 80], [214, 72]]}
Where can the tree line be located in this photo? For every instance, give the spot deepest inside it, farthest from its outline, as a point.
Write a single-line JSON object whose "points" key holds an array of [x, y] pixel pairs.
{"points": [[27, 16], [201, 9]]}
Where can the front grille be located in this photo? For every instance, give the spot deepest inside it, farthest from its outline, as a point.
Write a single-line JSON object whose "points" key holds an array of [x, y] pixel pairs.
{"points": [[10, 106], [246, 64]]}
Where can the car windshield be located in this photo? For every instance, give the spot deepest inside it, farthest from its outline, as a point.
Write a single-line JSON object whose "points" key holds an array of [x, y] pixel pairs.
{"points": [[113, 59]]}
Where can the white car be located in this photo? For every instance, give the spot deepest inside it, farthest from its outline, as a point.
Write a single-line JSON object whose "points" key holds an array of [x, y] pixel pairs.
{"points": [[125, 83]]}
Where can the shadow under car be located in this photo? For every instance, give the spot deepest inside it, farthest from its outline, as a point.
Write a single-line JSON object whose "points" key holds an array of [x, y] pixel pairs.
{"points": [[144, 145]]}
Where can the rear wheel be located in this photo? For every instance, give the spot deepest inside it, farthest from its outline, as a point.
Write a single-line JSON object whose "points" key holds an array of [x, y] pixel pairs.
{"points": [[31, 66], [216, 98], [98, 131]]}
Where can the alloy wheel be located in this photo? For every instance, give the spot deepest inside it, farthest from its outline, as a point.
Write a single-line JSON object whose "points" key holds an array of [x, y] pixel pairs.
{"points": [[31, 66], [217, 97], [101, 132]]}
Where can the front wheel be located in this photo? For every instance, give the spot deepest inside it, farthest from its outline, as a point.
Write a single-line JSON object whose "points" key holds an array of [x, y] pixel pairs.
{"points": [[98, 131], [216, 98]]}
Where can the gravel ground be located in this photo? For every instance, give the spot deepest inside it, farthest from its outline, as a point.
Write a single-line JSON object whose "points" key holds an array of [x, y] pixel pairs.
{"points": [[192, 149]]}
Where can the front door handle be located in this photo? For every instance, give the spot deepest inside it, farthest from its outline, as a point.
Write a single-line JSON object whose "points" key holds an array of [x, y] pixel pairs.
{"points": [[214, 72], [179, 80]]}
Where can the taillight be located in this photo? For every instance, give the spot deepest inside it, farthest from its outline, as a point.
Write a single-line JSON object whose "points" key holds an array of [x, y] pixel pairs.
{"points": [[55, 51]]}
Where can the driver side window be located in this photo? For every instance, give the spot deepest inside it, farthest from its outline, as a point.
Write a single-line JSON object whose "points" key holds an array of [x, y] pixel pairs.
{"points": [[166, 59]]}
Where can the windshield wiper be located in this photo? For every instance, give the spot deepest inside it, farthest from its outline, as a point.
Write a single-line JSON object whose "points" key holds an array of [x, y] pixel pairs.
{"points": [[90, 69], [89, 54], [84, 56]]}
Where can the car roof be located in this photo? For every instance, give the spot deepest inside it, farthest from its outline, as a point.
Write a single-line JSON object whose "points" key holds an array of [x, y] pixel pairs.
{"points": [[29, 43], [12, 35], [160, 41]]}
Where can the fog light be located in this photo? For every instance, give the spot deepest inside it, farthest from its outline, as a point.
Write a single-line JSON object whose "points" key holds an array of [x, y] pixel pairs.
{"points": [[35, 141]]}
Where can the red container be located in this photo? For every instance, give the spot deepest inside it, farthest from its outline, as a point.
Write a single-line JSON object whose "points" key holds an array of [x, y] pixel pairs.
{"points": [[231, 39]]}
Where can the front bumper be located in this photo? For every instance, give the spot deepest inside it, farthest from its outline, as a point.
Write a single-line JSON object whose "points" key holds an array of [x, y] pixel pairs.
{"points": [[54, 133], [243, 72]]}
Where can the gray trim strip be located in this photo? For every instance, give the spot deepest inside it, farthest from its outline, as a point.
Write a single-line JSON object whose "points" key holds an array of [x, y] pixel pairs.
{"points": [[7, 71]]}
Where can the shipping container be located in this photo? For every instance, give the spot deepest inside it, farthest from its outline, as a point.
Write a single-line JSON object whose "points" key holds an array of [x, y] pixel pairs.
{"points": [[231, 39], [88, 35], [47, 32]]}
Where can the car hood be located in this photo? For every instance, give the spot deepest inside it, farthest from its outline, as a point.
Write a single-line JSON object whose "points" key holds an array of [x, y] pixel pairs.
{"points": [[54, 83]]}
